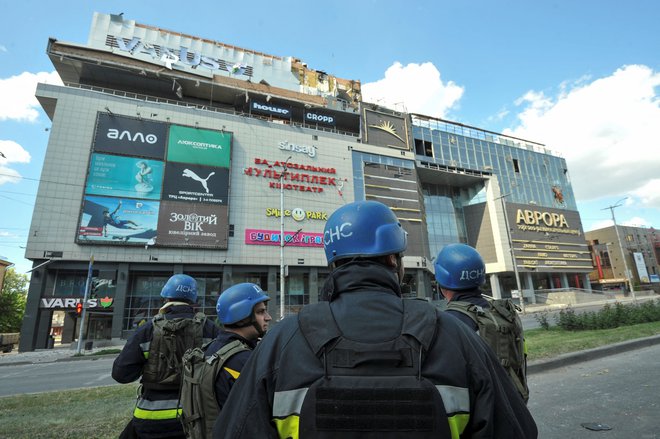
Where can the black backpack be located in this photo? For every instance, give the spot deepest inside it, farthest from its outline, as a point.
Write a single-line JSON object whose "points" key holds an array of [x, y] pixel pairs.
{"points": [[500, 326], [372, 390], [199, 407], [171, 339]]}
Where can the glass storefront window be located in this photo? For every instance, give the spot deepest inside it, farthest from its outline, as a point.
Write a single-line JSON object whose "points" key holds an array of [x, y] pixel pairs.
{"points": [[143, 301]]}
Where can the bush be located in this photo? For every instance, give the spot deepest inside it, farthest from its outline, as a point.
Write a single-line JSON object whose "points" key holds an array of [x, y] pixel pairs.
{"points": [[607, 317], [542, 318]]}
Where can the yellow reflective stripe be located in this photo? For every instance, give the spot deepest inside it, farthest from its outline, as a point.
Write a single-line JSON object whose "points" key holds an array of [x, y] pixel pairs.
{"points": [[288, 427], [455, 399], [235, 374], [156, 414], [145, 349], [288, 402], [457, 424]]}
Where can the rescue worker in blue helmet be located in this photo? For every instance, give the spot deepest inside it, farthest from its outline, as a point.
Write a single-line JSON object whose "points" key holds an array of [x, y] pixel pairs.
{"points": [[156, 359], [460, 272], [244, 315], [466, 392]]}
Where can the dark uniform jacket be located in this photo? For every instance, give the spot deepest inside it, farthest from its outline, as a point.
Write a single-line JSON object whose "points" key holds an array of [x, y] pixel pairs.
{"points": [[479, 398], [470, 296], [233, 366], [155, 415]]}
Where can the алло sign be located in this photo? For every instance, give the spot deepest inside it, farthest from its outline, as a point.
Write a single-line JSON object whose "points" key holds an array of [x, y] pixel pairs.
{"points": [[270, 110], [124, 135]]}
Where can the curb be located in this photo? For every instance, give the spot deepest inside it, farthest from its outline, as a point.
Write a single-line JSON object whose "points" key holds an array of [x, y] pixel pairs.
{"points": [[590, 354]]}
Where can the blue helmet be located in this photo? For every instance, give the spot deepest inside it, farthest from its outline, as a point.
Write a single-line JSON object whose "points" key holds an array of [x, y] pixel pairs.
{"points": [[237, 302], [363, 229], [459, 267], [180, 286]]}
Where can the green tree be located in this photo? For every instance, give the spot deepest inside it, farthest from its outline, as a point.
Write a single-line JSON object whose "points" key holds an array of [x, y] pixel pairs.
{"points": [[12, 301]]}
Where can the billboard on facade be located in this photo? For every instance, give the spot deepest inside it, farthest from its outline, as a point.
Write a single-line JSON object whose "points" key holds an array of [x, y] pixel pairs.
{"points": [[547, 239], [268, 109], [385, 129], [199, 146], [641, 268], [315, 117], [192, 225], [195, 183], [124, 135], [128, 177], [117, 220], [272, 237]]}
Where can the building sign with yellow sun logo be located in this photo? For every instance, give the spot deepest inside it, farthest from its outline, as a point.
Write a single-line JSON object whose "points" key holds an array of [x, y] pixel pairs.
{"points": [[385, 129]]}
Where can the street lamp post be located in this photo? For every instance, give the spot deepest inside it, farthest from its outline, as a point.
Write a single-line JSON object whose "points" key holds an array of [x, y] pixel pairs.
{"points": [[513, 256], [618, 238], [286, 165]]}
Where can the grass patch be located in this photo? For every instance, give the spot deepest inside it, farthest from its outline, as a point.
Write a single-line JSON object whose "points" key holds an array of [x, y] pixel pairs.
{"points": [[97, 412], [548, 343]]}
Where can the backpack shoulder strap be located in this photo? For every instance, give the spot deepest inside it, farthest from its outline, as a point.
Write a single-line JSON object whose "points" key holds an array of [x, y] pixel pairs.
{"points": [[199, 317], [318, 325], [231, 348], [466, 308]]}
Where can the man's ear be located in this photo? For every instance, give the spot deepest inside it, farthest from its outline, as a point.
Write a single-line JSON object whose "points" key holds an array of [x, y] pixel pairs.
{"points": [[391, 261]]}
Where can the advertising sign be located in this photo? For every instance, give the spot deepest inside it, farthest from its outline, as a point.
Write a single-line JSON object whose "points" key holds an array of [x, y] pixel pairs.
{"points": [[385, 130], [546, 239], [196, 184], [641, 268], [272, 237], [71, 302], [196, 225], [313, 117], [129, 177], [114, 220], [199, 146], [270, 110], [123, 135]]}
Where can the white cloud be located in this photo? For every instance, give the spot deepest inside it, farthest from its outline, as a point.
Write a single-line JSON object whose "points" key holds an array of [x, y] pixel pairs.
{"points": [[635, 221], [418, 87], [606, 129], [18, 100], [3, 48], [12, 152]]}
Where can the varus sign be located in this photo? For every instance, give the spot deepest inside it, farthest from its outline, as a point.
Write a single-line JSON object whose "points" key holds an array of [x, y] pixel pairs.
{"points": [[181, 56], [71, 302]]}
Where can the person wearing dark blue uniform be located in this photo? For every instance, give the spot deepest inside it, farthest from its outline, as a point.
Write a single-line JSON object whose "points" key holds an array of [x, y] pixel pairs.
{"points": [[460, 271], [157, 408], [243, 313]]}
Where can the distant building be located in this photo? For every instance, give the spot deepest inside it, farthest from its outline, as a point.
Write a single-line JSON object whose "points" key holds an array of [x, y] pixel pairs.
{"points": [[171, 153], [4, 265], [616, 249]]}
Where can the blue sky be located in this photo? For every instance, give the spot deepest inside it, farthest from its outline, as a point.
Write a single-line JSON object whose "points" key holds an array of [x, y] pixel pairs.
{"points": [[581, 77]]}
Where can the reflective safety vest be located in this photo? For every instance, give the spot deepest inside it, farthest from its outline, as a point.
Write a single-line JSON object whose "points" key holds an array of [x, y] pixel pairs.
{"points": [[157, 410]]}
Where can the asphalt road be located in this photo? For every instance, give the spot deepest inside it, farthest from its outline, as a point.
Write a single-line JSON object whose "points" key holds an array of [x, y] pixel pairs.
{"points": [[621, 391], [61, 375]]}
